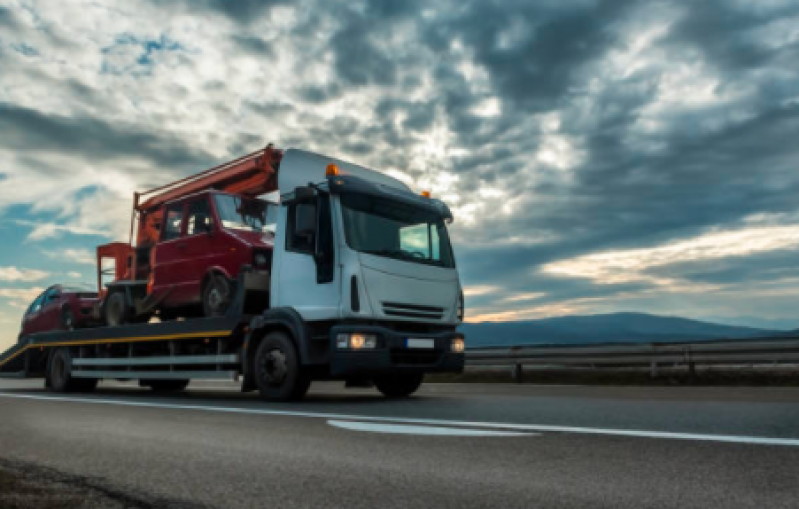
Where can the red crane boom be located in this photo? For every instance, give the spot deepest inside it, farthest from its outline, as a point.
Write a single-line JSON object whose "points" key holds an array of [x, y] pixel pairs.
{"points": [[252, 175]]}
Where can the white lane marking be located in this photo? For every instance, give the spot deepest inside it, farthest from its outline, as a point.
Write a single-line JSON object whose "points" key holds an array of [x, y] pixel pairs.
{"points": [[791, 442], [406, 429]]}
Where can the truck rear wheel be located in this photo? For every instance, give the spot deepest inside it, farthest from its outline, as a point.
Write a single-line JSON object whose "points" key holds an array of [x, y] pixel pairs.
{"points": [[59, 374], [399, 385], [277, 369]]}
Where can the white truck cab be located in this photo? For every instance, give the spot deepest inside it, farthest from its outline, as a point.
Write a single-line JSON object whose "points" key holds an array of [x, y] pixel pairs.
{"points": [[368, 261]]}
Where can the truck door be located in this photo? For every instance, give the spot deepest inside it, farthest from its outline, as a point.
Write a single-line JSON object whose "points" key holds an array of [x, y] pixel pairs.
{"points": [[198, 253], [308, 276], [168, 270]]}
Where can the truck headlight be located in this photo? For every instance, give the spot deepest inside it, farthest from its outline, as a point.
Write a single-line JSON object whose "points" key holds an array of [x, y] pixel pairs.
{"points": [[356, 341], [458, 345]]}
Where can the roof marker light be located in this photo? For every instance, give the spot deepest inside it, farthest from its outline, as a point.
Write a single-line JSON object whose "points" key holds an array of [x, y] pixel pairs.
{"points": [[332, 170], [426, 194]]}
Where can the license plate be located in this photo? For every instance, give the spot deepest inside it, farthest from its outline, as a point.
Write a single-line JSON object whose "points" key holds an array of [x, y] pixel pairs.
{"points": [[419, 343]]}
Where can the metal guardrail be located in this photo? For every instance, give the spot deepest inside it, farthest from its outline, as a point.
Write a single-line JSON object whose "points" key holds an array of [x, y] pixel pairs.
{"points": [[652, 355]]}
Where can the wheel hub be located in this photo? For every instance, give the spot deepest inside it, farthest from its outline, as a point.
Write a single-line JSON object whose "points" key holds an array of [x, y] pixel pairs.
{"points": [[216, 298], [59, 369], [274, 367]]}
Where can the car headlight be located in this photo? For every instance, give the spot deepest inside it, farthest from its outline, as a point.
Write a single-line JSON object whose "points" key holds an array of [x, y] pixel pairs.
{"points": [[261, 260], [458, 345], [356, 341]]}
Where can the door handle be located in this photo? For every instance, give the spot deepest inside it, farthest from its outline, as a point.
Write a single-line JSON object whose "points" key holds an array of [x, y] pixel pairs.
{"points": [[182, 245]]}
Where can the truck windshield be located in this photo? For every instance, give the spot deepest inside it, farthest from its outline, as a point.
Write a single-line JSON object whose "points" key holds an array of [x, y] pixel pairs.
{"points": [[247, 214], [395, 230]]}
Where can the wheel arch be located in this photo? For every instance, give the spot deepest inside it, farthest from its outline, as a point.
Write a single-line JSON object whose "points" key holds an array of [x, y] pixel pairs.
{"points": [[285, 320], [214, 271]]}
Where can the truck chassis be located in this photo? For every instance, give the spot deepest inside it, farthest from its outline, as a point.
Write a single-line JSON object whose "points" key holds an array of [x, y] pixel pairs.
{"points": [[275, 352]]}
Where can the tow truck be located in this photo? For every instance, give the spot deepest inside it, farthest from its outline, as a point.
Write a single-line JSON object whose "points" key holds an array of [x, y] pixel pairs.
{"points": [[355, 280]]}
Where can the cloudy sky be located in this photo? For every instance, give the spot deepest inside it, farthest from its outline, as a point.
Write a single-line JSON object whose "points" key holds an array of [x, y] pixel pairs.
{"points": [[599, 156]]}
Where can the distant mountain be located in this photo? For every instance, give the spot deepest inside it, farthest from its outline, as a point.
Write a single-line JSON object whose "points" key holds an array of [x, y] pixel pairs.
{"points": [[785, 324], [610, 328]]}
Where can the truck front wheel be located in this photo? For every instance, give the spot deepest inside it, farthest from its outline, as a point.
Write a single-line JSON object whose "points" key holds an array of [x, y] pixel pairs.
{"points": [[277, 369], [399, 385]]}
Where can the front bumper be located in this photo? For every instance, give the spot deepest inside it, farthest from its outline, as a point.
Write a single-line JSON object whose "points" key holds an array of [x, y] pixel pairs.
{"points": [[392, 354]]}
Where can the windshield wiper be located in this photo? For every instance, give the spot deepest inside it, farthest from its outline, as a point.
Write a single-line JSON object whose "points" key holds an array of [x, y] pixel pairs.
{"points": [[391, 253]]}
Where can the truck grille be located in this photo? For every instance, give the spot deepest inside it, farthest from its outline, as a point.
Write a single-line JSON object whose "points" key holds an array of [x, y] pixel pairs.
{"points": [[412, 310]]}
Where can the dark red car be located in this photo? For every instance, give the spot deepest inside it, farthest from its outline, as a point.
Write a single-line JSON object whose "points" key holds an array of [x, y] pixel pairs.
{"points": [[60, 307]]}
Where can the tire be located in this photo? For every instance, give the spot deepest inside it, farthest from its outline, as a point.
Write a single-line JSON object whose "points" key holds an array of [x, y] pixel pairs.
{"points": [[166, 385], [217, 296], [116, 311], [67, 319], [399, 385], [59, 374], [277, 370]]}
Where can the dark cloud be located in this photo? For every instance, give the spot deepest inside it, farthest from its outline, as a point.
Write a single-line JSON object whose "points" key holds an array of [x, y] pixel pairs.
{"points": [[720, 30], [545, 46], [270, 109], [7, 18], [316, 94], [359, 58], [238, 11], [26, 130], [242, 11], [763, 267], [255, 45]]}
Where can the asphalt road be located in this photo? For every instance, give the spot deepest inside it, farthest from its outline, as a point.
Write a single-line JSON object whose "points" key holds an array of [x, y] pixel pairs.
{"points": [[451, 446]]}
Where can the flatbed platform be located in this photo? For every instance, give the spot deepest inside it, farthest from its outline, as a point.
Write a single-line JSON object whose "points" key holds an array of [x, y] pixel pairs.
{"points": [[14, 362]]}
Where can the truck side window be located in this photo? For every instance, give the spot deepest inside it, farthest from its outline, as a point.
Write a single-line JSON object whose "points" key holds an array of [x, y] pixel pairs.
{"points": [[301, 231], [173, 219], [199, 218]]}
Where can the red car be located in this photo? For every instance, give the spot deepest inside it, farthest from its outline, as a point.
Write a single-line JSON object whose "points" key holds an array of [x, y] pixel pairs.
{"points": [[60, 307], [190, 263]]}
